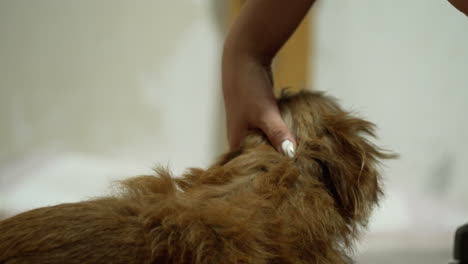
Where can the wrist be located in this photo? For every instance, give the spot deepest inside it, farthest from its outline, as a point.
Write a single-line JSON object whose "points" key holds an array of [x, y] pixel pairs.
{"points": [[239, 66]]}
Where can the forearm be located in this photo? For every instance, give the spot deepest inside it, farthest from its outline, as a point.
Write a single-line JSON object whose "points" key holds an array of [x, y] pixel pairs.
{"points": [[262, 28]]}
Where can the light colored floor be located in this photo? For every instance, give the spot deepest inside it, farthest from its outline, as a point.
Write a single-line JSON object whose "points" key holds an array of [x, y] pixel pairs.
{"points": [[406, 257]]}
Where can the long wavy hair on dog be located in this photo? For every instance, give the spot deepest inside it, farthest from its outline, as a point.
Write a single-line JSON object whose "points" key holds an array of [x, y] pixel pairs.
{"points": [[252, 206]]}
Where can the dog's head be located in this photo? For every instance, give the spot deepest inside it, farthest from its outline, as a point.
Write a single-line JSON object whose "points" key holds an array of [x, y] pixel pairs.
{"points": [[333, 146], [339, 143]]}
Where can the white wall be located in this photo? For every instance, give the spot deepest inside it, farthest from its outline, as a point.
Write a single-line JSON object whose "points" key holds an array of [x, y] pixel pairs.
{"points": [[404, 65], [92, 91]]}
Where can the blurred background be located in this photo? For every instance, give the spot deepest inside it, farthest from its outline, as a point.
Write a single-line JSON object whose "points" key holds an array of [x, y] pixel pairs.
{"points": [[96, 91]]}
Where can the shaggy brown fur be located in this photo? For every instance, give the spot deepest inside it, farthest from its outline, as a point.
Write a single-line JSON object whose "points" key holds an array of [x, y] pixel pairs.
{"points": [[254, 206]]}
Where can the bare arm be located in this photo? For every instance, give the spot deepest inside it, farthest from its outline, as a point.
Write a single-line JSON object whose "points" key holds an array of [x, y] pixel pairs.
{"points": [[261, 29], [263, 26], [461, 5]]}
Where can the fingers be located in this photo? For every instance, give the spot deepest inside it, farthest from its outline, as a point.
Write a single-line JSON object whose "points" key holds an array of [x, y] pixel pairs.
{"points": [[277, 132], [274, 128]]}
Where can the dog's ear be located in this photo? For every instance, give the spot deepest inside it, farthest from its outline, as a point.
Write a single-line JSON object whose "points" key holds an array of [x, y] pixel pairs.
{"points": [[351, 166], [334, 146]]}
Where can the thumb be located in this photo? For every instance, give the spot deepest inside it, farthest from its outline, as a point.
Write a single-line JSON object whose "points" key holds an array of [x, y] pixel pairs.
{"points": [[278, 133]]}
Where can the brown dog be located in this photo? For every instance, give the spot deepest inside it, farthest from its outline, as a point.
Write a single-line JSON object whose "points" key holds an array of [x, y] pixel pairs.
{"points": [[253, 206]]}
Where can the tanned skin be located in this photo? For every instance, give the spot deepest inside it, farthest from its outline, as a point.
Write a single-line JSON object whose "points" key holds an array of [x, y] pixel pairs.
{"points": [[461, 5], [261, 29]]}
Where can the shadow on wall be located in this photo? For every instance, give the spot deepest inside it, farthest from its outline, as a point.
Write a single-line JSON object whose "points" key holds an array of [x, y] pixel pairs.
{"points": [[220, 15]]}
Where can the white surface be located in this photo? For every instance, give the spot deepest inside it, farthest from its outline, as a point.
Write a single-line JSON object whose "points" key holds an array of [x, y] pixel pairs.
{"points": [[97, 91], [404, 64]]}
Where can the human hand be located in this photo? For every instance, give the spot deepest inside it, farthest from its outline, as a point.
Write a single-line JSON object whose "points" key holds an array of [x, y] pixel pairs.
{"points": [[251, 104], [260, 30]]}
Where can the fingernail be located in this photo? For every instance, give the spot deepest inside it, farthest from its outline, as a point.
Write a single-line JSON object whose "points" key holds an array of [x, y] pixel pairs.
{"points": [[288, 148]]}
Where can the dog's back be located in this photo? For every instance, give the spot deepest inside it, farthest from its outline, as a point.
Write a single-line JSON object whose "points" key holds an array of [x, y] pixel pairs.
{"points": [[101, 231], [252, 206]]}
